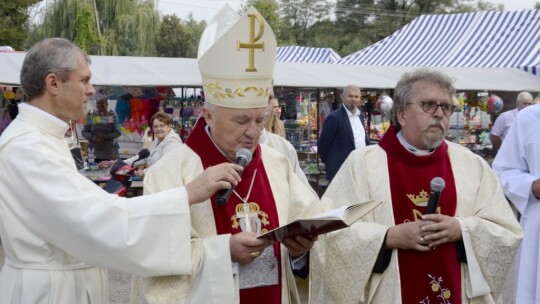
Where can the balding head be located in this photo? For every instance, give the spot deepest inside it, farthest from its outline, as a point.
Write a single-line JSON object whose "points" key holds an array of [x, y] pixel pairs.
{"points": [[523, 100]]}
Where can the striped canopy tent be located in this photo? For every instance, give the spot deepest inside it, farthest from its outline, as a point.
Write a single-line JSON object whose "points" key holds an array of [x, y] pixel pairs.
{"points": [[306, 54], [488, 39]]}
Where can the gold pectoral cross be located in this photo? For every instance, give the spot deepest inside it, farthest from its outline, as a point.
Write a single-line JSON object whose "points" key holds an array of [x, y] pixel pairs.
{"points": [[246, 214], [252, 45]]}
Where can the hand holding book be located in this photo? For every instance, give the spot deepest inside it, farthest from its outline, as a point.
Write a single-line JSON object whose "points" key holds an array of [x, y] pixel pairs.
{"points": [[332, 220]]}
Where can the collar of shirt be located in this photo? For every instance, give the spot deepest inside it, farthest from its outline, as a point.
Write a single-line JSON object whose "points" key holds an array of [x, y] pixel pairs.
{"points": [[350, 114], [411, 148]]}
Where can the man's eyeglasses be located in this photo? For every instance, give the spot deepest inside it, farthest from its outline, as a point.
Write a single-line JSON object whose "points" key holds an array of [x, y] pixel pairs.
{"points": [[430, 107]]}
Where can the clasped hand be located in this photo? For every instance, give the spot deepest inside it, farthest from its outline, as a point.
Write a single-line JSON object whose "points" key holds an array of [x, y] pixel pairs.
{"points": [[432, 231], [245, 247]]}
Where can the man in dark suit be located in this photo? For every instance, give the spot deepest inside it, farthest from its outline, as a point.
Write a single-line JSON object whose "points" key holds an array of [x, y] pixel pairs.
{"points": [[342, 131]]}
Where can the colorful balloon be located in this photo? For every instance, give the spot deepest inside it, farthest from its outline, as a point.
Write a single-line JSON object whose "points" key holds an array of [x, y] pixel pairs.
{"points": [[495, 104], [384, 103]]}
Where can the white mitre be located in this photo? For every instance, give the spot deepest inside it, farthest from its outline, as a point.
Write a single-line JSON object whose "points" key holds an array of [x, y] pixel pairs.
{"points": [[237, 55]]}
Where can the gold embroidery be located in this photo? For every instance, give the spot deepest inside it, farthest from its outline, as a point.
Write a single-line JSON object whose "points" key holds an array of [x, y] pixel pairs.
{"points": [[417, 214], [419, 200], [436, 286], [252, 45], [220, 93]]}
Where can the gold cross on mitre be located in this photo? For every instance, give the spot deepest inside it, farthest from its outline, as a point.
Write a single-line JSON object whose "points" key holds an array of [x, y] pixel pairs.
{"points": [[237, 56], [252, 45]]}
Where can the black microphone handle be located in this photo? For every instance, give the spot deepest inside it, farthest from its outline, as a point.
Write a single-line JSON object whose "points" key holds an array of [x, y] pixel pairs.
{"points": [[223, 196], [433, 202]]}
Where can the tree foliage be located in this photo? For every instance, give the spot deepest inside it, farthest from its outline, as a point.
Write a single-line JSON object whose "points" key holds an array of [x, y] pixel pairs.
{"points": [[14, 16], [179, 38], [122, 27]]}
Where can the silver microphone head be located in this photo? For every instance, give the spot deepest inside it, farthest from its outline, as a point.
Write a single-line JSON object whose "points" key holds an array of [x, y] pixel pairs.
{"points": [[244, 153], [437, 184]]}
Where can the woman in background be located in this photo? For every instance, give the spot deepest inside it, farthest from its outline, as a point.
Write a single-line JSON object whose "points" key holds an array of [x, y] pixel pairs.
{"points": [[273, 123], [165, 141]]}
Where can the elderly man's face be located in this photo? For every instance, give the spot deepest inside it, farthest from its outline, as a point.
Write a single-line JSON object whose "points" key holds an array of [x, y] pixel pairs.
{"points": [[233, 129], [352, 99], [425, 130]]}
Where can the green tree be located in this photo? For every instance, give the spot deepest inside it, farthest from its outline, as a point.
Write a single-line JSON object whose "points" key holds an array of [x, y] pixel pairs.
{"points": [[14, 16], [299, 15], [122, 27], [179, 38]]}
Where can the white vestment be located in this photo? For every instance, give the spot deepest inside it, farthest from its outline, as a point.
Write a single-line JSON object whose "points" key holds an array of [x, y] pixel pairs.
{"points": [[212, 280], [490, 231], [518, 165], [284, 146], [55, 223]]}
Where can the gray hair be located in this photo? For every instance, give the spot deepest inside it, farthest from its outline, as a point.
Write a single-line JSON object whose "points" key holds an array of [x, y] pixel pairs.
{"points": [[524, 96], [50, 56], [210, 107], [404, 91], [350, 87]]}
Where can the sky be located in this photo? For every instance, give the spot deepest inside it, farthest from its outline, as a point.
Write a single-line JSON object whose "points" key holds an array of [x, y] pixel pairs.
{"points": [[206, 9]]}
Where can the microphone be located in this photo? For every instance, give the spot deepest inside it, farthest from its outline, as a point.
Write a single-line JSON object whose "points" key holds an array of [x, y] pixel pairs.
{"points": [[142, 154], [437, 185], [243, 157]]}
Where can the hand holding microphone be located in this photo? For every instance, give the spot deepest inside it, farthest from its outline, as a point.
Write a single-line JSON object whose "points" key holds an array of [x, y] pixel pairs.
{"points": [[243, 157]]}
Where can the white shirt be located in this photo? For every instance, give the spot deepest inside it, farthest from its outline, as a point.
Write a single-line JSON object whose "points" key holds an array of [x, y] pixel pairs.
{"points": [[503, 122], [357, 128]]}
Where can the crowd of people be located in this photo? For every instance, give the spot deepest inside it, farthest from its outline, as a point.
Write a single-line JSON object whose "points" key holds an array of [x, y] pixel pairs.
{"points": [[60, 231]]}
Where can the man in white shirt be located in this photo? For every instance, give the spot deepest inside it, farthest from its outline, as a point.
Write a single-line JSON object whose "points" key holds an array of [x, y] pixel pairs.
{"points": [[343, 131], [504, 120]]}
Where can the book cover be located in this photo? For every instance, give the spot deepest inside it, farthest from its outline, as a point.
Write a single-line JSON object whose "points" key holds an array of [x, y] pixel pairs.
{"points": [[332, 220]]}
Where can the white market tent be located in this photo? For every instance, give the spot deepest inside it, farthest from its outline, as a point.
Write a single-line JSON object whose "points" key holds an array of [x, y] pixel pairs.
{"points": [[306, 54], [182, 72], [487, 39]]}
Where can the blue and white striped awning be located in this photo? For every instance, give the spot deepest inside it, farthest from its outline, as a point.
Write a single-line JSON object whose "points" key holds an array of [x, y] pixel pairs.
{"points": [[306, 54], [480, 39]]}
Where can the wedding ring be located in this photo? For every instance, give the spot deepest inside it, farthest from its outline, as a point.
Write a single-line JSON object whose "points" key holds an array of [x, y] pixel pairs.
{"points": [[255, 254], [421, 239]]}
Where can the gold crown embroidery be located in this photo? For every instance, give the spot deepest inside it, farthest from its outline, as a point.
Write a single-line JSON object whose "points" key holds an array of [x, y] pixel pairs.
{"points": [[252, 45], [419, 200], [220, 93], [254, 209]]}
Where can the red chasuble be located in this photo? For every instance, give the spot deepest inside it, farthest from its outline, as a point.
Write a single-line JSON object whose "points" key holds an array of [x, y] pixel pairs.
{"points": [[261, 202], [433, 276]]}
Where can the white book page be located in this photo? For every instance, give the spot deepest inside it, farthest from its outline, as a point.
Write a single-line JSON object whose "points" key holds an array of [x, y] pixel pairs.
{"points": [[339, 212]]}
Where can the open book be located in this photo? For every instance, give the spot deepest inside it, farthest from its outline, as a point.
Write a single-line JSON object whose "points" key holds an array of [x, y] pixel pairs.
{"points": [[332, 220]]}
